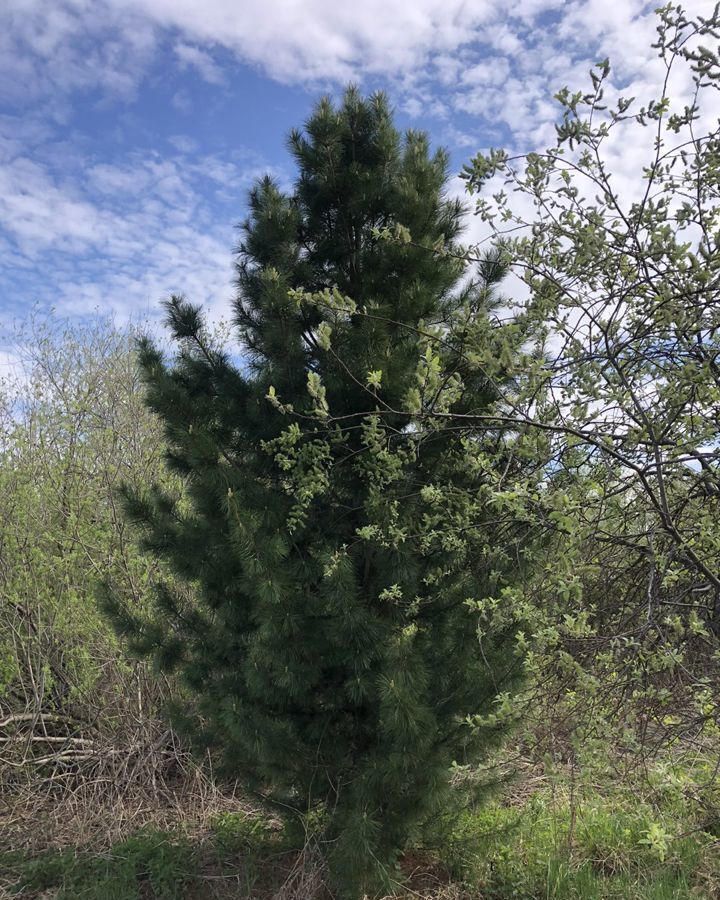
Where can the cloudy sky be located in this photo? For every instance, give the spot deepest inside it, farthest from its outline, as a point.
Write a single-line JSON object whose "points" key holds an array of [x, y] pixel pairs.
{"points": [[130, 130]]}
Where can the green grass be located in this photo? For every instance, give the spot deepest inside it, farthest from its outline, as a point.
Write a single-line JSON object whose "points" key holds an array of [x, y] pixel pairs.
{"points": [[151, 865], [619, 845]]}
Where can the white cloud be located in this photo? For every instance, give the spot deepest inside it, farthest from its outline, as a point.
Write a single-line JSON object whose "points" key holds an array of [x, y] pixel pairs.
{"points": [[183, 143], [198, 59], [318, 39], [436, 53], [121, 235], [181, 101], [47, 50], [37, 212], [9, 363], [489, 72]]}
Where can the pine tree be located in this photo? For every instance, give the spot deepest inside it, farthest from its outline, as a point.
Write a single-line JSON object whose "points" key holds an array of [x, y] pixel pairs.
{"points": [[322, 553]]}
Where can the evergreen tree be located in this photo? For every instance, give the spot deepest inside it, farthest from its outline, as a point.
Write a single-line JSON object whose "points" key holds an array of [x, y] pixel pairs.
{"points": [[324, 538]]}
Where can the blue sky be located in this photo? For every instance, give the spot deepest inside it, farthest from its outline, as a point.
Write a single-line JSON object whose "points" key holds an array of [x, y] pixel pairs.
{"points": [[130, 130]]}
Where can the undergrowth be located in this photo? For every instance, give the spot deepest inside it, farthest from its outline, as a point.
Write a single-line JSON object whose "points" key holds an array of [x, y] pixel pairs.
{"points": [[583, 839]]}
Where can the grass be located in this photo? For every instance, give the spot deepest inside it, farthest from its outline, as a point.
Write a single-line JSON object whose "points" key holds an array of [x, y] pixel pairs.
{"points": [[590, 843], [614, 853], [148, 864], [230, 859], [590, 837], [239, 856]]}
